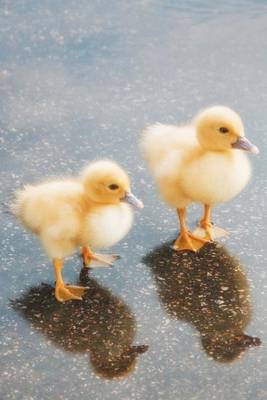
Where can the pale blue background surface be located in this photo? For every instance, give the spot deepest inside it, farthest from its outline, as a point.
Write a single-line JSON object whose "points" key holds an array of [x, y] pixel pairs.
{"points": [[79, 80]]}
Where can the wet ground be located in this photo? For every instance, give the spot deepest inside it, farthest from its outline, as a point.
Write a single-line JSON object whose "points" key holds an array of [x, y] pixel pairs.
{"points": [[79, 81]]}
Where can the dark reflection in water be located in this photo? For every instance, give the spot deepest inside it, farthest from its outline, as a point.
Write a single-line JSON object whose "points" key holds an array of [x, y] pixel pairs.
{"points": [[208, 290], [101, 324]]}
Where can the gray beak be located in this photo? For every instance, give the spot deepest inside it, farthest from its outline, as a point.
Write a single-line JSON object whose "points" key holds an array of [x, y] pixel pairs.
{"points": [[131, 199], [244, 144]]}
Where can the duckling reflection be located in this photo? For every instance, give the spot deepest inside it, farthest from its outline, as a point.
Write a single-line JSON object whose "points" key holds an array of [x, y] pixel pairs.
{"points": [[102, 325], [209, 290]]}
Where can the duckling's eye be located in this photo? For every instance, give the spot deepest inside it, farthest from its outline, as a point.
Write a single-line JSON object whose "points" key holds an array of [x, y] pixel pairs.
{"points": [[113, 186], [223, 130]]}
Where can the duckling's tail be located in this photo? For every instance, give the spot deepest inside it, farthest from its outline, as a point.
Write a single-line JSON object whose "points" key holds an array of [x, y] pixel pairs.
{"points": [[156, 142], [23, 208], [17, 204]]}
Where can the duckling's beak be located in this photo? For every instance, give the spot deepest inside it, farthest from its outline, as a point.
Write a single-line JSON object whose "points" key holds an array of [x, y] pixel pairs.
{"points": [[243, 143], [131, 199]]}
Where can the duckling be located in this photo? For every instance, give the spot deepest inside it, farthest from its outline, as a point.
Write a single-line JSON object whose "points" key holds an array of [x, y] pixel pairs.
{"points": [[87, 211], [199, 162]]}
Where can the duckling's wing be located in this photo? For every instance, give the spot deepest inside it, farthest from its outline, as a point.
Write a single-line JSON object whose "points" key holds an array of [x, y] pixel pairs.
{"points": [[159, 141], [59, 237]]}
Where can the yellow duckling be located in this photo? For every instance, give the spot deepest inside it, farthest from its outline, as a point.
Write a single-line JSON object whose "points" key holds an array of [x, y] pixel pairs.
{"points": [[199, 162], [90, 210]]}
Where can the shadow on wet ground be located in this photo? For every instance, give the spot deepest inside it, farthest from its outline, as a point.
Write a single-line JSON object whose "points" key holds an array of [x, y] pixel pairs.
{"points": [[101, 325], [210, 291]]}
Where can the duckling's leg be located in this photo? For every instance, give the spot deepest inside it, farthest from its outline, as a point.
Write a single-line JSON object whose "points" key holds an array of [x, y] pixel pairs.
{"points": [[100, 260], [206, 228], [186, 240], [65, 292], [205, 222]]}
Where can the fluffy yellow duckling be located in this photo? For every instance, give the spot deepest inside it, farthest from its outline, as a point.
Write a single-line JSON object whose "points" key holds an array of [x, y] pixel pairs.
{"points": [[199, 162], [90, 210]]}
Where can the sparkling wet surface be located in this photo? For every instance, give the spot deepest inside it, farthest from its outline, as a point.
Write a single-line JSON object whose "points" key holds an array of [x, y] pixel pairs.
{"points": [[79, 80]]}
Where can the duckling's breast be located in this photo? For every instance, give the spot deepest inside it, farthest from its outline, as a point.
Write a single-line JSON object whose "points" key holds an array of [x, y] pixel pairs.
{"points": [[106, 225], [216, 177]]}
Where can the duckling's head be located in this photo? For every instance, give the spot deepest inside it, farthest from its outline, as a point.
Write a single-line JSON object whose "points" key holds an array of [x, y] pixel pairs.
{"points": [[219, 128], [106, 182]]}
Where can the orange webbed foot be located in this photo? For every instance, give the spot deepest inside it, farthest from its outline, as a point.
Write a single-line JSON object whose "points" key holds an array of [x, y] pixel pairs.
{"points": [[69, 292], [92, 260], [188, 241]]}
